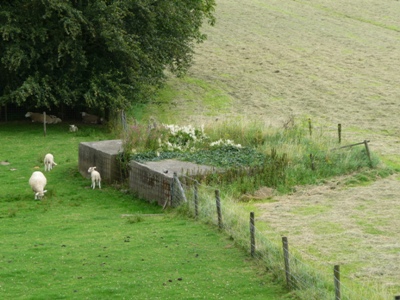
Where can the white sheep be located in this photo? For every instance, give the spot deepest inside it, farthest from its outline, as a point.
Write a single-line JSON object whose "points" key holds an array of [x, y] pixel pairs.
{"points": [[95, 175], [49, 162], [73, 128], [87, 118], [37, 182], [38, 117], [35, 117], [51, 119]]}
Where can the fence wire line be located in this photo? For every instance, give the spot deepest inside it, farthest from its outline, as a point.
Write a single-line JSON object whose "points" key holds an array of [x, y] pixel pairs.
{"points": [[310, 282]]}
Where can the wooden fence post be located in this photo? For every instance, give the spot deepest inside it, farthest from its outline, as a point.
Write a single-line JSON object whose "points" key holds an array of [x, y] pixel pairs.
{"points": [[196, 201], [340, 132], [218, 202], [286, 259], [309, 126], [252, 237], [368, 153], [336, 275]]}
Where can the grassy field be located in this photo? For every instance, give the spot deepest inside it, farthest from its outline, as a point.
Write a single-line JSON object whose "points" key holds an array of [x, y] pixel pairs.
{"points": [[335, 62], [74, 244]]}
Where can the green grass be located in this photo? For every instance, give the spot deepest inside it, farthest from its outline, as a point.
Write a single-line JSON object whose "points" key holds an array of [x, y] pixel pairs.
{"points": [[74, 244], [180, 95]]}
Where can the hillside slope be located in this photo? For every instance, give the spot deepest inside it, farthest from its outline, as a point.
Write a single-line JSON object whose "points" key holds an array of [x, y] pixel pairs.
{"points": [[334, 62]]}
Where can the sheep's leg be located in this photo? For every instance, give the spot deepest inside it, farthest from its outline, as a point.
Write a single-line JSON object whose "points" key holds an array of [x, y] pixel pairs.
{"points": [[99, 185]]}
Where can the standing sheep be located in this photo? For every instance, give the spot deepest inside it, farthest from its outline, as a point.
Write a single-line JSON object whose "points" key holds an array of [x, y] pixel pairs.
{"points": [[37, 182], [38, 117], [49, 162], [95, 176], [35, 117]]}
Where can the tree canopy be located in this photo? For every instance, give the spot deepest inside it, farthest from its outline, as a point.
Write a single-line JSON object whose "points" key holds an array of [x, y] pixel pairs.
{"points": [[96, 53]]}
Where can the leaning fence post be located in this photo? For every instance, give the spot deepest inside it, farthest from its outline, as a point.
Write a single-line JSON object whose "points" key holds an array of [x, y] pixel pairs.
{"points": [[286, 259], [218, 209], [367, 150], [252, 237], [180, 187], [196, 201], [336, 274], [340, 132]]}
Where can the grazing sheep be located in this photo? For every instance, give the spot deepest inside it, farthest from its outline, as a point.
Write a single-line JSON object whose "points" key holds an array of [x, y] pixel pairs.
{"points": [[87, 118], [49, 162], [35, 117], [95, 175], [37, 182], [73, 128]]}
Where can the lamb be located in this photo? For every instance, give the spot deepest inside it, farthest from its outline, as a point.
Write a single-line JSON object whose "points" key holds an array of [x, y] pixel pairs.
{"points": [[37, 182], [73, 128], [49, 162], [87, 118], [36, 117], [95, 175]]}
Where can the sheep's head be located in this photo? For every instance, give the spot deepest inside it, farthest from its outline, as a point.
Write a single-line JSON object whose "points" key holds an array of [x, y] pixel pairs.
{"points": [[40, 195], [28, 114], [91, 169]]}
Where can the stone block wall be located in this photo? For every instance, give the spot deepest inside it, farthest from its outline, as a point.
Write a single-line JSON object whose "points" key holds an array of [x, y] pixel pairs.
{"points": [[103, 155], [152, 180], [149, 184]]}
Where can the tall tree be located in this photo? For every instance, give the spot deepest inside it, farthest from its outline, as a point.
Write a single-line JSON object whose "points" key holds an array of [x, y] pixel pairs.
{"points": [[97, 53]]}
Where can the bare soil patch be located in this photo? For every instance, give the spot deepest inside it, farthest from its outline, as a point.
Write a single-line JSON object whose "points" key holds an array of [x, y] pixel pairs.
{"points": [[334, 62]]}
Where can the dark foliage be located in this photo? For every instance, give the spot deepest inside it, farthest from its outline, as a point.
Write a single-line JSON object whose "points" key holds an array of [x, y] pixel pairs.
{"points": [[99, 53]]}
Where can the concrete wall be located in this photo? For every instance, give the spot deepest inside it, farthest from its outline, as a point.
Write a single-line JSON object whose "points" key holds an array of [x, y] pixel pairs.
{"points": [[150, 181], [103, 155], [149, 184]]}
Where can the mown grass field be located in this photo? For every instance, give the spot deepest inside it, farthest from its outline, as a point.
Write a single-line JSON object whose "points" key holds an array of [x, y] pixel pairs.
{"points": [[335, 62], [74, 244]]}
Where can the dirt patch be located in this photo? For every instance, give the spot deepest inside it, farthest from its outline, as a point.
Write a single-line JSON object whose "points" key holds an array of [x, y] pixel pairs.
{"points": [[334, 62]]}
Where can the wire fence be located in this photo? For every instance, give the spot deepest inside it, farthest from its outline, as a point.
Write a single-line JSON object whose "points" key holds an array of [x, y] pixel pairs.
{"points": [[317, 281]]}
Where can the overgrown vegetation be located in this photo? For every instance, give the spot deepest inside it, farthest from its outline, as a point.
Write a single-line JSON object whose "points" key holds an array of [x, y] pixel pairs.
{"points": [[248, 156]]}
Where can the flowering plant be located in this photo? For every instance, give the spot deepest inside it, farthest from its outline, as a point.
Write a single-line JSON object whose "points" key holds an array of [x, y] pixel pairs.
{"points": [[222, 142], [170, 138], [185, 138]]}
